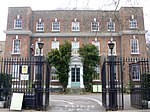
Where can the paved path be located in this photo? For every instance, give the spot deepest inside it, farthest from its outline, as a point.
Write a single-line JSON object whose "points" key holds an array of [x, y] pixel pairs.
{"points": [[80, 103]]}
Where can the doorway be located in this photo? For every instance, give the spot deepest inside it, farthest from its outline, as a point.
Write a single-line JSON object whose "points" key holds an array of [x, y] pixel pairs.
{"points": [[75, 77]]}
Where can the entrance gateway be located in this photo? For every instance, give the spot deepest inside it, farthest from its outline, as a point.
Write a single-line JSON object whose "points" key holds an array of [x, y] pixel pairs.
{"points": [[75, 79]]}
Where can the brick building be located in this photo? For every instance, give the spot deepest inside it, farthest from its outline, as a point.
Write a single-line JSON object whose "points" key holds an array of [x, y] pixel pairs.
{"points": [[2, 47], [124, 27]]}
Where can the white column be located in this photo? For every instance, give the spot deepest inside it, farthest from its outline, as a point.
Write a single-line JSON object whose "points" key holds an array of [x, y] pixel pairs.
{"points": [[69, 79], [81, 77]]}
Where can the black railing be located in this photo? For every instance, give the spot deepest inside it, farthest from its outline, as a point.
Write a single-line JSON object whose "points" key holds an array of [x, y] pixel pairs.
{"points": [[112, 84], [22, 75], [140, 89]]}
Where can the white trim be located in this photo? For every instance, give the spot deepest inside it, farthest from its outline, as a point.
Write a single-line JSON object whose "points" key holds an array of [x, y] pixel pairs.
{"points": [[58, 26], [95, 27], [113, 27], [40, 26], [75, 25]]}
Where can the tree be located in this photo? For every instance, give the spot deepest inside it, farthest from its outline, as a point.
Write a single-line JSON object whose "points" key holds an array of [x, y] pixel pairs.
{"points": [[60, 59], [90, 59]]}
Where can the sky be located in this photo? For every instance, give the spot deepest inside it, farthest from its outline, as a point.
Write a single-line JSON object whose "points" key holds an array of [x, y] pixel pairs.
{"points": [[70, 4]]}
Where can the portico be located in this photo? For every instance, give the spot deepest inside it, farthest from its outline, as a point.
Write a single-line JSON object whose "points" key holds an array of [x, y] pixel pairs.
{"points": [[75, 79]]}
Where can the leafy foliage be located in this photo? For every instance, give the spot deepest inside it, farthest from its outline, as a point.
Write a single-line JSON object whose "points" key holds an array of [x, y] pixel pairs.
{"points": [[5, 85], [90, 59], [146, 86], [60, 59]]}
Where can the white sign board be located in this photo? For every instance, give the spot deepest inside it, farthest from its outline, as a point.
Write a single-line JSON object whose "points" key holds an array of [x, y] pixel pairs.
{"points": [[16, 102], [24, 76]]}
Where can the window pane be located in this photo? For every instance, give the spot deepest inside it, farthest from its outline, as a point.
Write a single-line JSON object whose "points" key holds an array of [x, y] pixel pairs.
{"points": [[97, 44], [16, 46], [133, 23], [134, 46], [55, 44], [73, 74], [75, 26], [40, 26], [135, 72], [15, 71], [111, 26], [54, 75], [56, 26], [77, 74], [75, 48], [95, 26], [18, 23]]}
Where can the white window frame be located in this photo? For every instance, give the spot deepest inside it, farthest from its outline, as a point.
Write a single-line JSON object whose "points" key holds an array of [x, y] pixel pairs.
{"points": [[18, 23], [15, 72], [75, 26], [113, 50], [134, 45], [75, 47], [97, 44], [133, 23], [55, 45], [55, 26], [110, 25], [135, 72], [54, 76], [37, 50], [40, 26], [16, 46], [94, 26], [97, 69]]}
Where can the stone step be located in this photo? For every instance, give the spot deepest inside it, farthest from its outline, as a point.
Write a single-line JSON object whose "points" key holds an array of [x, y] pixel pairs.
{"points": [[76, 91]]}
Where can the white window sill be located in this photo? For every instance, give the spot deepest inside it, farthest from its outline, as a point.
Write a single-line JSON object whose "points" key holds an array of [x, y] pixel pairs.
{"points": [[112, 55], [94, 30], [75, 30], [136, 79], [18, 28], [38, 55], [97, 80], [55, 30], [135, 53], [133, 27], [110, 30], [15, 53], [40, 31], [54, 80]]}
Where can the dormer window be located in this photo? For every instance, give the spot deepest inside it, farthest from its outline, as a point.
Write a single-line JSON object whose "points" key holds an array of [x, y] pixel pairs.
{"points": [[75, 25], [110, 25], [18, 23], [55, 25], [94, 25], [133, 22], [40, 25]]}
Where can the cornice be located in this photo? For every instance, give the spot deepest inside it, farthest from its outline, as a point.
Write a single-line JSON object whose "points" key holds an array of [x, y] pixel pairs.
{"points": [[17, 32], [76, 34]]}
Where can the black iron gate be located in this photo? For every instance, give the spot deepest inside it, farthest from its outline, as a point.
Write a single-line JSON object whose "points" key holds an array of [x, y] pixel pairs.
{"points": [[139, 73], [112, 84], [28, 76]]}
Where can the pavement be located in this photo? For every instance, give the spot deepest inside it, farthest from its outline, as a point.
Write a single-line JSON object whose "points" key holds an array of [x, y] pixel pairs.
{"points": [[79, 103]]}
